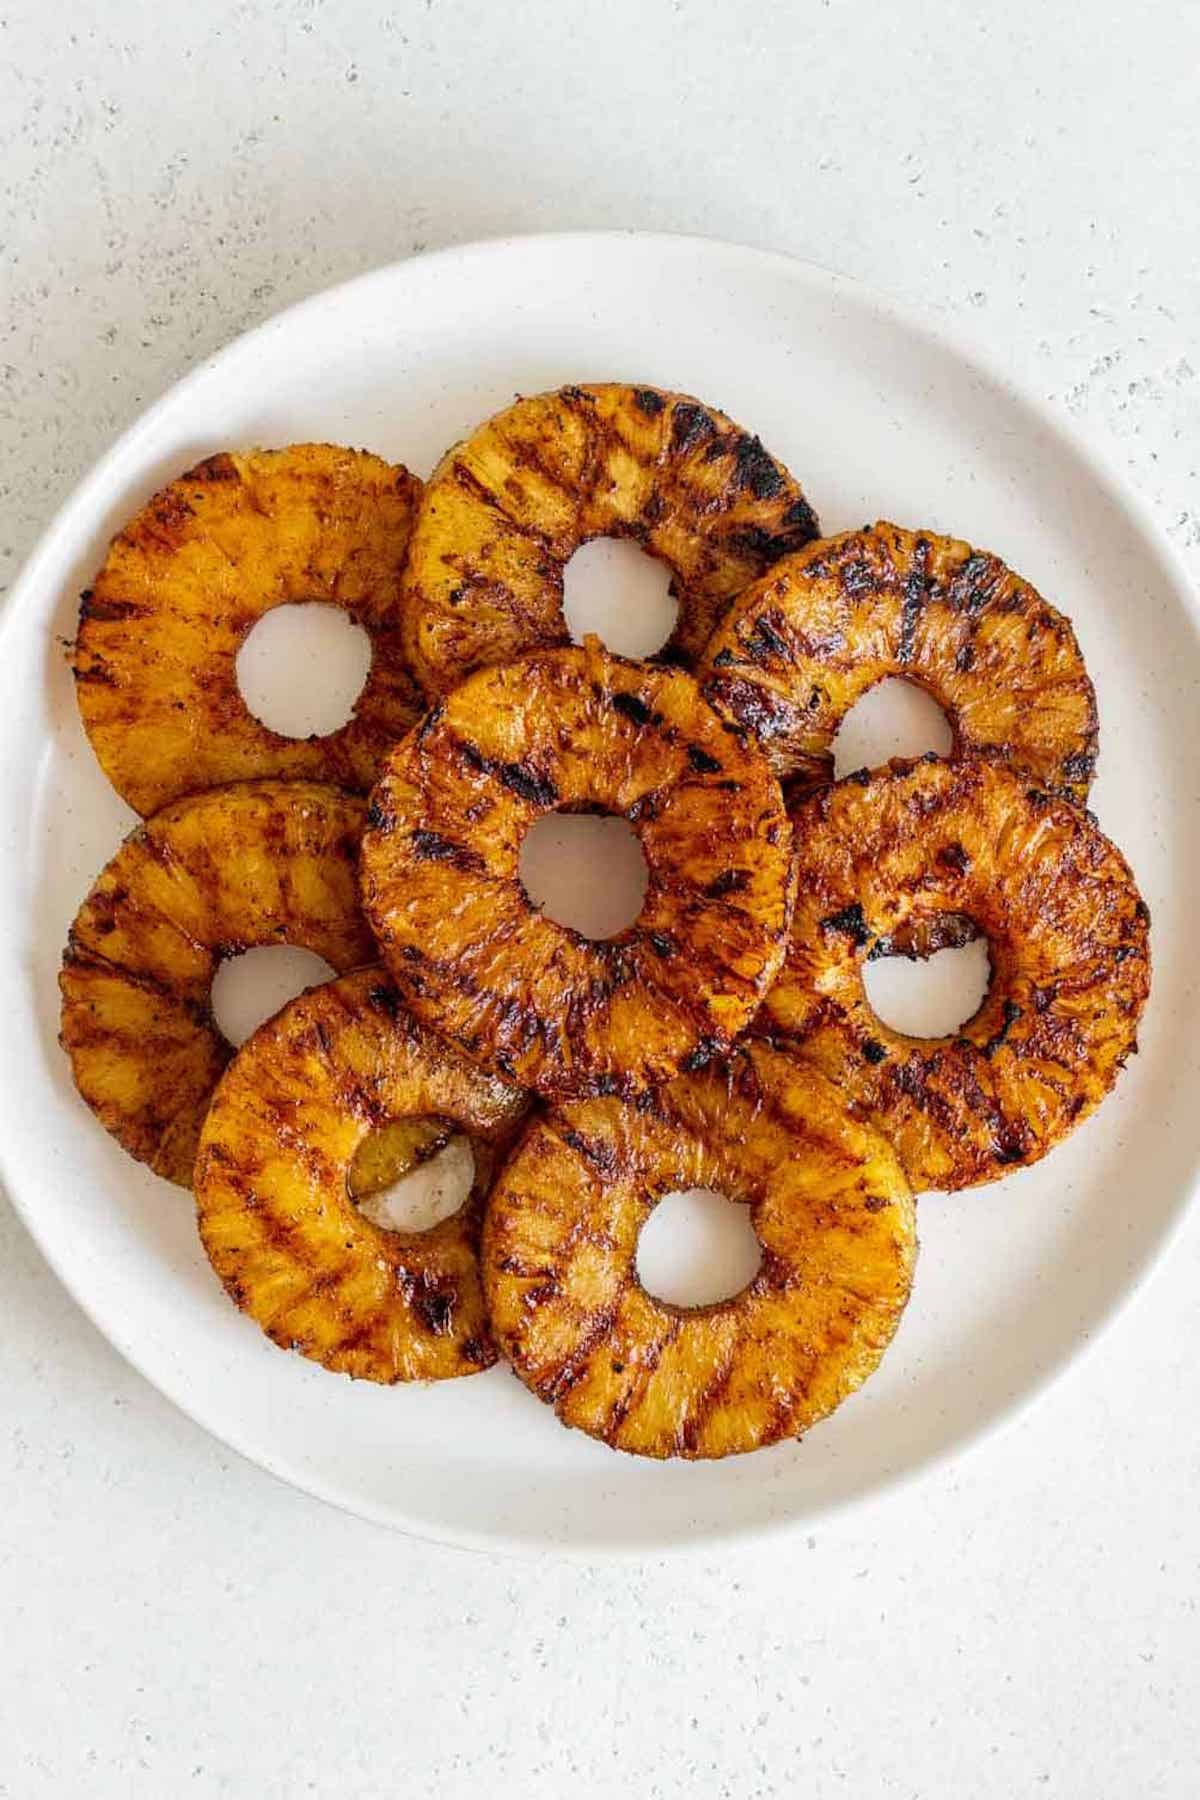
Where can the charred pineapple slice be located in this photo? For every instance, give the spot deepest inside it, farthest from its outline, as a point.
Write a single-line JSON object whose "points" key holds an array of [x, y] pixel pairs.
{"points": [[191, 575], [340, 1069], [801, 646], [264, 862], [827, 1200], [505, 511], [880, 859], [577, 730]]}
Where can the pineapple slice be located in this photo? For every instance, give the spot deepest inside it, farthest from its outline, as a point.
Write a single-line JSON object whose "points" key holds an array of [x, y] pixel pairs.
{"points": [[265, 862], [796, 652], [828, 1202], [573, 730], [191, 575], [884, 858], [505, 511], [340, 1071]]}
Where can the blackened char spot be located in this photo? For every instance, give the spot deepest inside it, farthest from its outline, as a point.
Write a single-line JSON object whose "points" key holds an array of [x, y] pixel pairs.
{"points": [[874, 1051], [1008, 1148], [801, 515], [632, 708], [729, 881], [434, 1306], [953, 858], [851, 922], [649, 401], [1079, 767], [663, 944], [757, 541], [1012, 1013], [529, 784], [765, 641], [379, 819], [689, 424], [106, 612], [722, 659], [431, 846], [702, 1055], [602, 1157], [430, 722], [702, 762], [757, 468], [385, 1000], [915, 594]]}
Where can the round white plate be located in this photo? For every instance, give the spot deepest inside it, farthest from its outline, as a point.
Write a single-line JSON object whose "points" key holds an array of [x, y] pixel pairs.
{"points": [[879, 415]]}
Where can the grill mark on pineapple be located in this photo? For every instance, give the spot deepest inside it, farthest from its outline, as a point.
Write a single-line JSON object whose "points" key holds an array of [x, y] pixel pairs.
{"points": [[558, 1381], [703, 1405], [641, 1376], [525, 780], [465, 478]]}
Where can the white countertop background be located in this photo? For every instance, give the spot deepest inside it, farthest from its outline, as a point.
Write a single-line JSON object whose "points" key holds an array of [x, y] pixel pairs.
{"points": [[176, 1623]]}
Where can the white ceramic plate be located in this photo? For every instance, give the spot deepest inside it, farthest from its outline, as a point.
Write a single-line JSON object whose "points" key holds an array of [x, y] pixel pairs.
{"points": [[880, 416]]}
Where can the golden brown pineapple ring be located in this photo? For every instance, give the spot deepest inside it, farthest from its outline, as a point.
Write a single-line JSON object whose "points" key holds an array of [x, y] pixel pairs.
{"points": [[261, 862], [579, 730], [506, 510], [277, 1151], [796, 651], [882, 857], [828, 1202], [186, 581]]}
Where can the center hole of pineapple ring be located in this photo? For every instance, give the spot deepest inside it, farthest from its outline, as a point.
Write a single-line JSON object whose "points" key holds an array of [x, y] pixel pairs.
{"points": [[412, 1174], [585, 871], [696, 1248], [894, 718], [250, 988], [931, 996], [615, 590], [301, 669]]}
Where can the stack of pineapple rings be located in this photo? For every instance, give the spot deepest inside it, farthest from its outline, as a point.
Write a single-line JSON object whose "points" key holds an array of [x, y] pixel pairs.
{"points": [[723, 1040]]}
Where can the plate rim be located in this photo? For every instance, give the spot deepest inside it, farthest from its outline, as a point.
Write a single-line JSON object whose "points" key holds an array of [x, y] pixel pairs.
{"points": [[1094, 451]]}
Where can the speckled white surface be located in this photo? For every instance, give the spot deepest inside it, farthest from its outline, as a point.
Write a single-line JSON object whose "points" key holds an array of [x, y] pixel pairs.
{"points": [[1024, 1623]]}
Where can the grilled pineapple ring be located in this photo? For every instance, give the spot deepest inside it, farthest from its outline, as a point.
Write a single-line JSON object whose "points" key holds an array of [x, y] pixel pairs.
{"points": [[505, 511], [1068, 934], [272, 1186], [578, 730], [828, 1202], [258, 863], [806, 642], [189, 577]]}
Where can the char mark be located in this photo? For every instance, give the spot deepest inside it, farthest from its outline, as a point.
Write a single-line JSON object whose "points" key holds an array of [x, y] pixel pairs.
{"points": [[756, 468], [702, 762], [689, 425], [431, 846], [631, 707], [850, 922], [765, 641]]}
